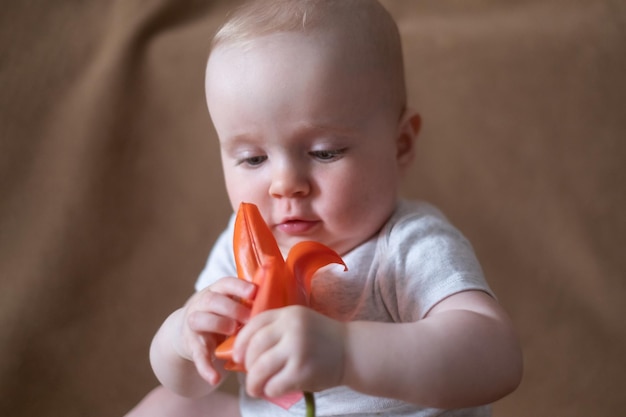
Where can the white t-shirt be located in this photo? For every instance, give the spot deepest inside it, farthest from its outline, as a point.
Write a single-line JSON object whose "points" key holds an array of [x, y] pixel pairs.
{"points": [[416, 260]]}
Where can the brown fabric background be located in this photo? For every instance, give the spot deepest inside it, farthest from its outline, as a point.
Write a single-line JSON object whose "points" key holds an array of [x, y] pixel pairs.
{"points": [[111, 191]]}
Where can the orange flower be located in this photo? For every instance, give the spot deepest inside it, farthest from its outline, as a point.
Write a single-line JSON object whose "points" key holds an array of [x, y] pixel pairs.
{"points": [[279, 283]]}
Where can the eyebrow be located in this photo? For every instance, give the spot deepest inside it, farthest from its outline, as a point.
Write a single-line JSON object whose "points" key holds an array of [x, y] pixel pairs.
{"points": [[324, 128]]}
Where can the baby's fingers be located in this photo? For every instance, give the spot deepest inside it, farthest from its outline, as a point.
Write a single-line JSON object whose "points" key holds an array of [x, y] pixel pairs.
{"points": [[201, 322], [258, 329], [234, 287], [273, 363], [267, 369], [227, 311], [204, 365]]}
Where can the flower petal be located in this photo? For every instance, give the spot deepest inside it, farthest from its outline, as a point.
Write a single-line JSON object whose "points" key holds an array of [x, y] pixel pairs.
{"points": [[304, 259], [253, 241]]}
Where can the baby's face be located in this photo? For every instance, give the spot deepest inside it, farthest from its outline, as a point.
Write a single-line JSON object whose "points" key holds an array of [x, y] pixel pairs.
{"points": [[307, 136]]}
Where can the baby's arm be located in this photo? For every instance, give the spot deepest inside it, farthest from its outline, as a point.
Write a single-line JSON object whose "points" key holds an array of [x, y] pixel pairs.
{"points": [[182, 349], [464, 353]]}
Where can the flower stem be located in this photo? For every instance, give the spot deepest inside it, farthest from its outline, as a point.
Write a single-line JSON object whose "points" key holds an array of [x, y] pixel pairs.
{"points": [[309, 400]]}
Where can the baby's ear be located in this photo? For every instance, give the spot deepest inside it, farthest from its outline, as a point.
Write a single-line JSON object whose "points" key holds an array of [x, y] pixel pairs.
{"points": [[408, 129]]}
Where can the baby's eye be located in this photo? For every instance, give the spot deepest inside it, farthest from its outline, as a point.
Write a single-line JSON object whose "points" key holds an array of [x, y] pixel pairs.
{"points": [[253, 161], [327, 155]]}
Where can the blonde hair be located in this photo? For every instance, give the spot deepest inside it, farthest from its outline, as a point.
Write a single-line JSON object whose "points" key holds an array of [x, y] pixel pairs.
{"points": [[365, 23]]}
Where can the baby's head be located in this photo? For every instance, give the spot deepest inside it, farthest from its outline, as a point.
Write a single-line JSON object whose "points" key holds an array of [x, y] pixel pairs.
{"points": [[360, 32], [308, 100]]}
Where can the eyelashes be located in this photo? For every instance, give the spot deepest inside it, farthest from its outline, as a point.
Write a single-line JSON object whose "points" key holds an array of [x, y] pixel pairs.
{"points": [[322, 155], [328, 155], [252, 161]]}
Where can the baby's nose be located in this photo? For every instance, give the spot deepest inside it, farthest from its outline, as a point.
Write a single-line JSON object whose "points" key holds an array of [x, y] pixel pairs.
{"points": [[289, 180]]}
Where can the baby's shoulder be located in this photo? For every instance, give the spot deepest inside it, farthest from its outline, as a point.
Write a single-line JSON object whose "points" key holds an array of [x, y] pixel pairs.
{"points": [[415, 218]]}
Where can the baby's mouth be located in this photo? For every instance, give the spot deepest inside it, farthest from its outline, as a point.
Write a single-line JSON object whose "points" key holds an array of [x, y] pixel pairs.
{"points": [[297, 226]]}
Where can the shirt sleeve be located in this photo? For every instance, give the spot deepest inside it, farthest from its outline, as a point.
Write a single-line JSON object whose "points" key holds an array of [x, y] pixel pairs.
{"points": [[430, 260], [221, 261]]}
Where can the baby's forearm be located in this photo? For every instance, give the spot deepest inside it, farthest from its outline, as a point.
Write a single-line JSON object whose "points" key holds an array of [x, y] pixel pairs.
{"points": [[173, 371], [455, 359]]}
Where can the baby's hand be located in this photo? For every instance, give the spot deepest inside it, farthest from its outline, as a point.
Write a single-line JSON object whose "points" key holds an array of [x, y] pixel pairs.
{"points": [[208, 317], [291, 349]]}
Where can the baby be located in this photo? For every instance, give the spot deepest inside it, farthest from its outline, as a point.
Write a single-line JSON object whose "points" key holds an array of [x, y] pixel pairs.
{"points": [[308, 100]]}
